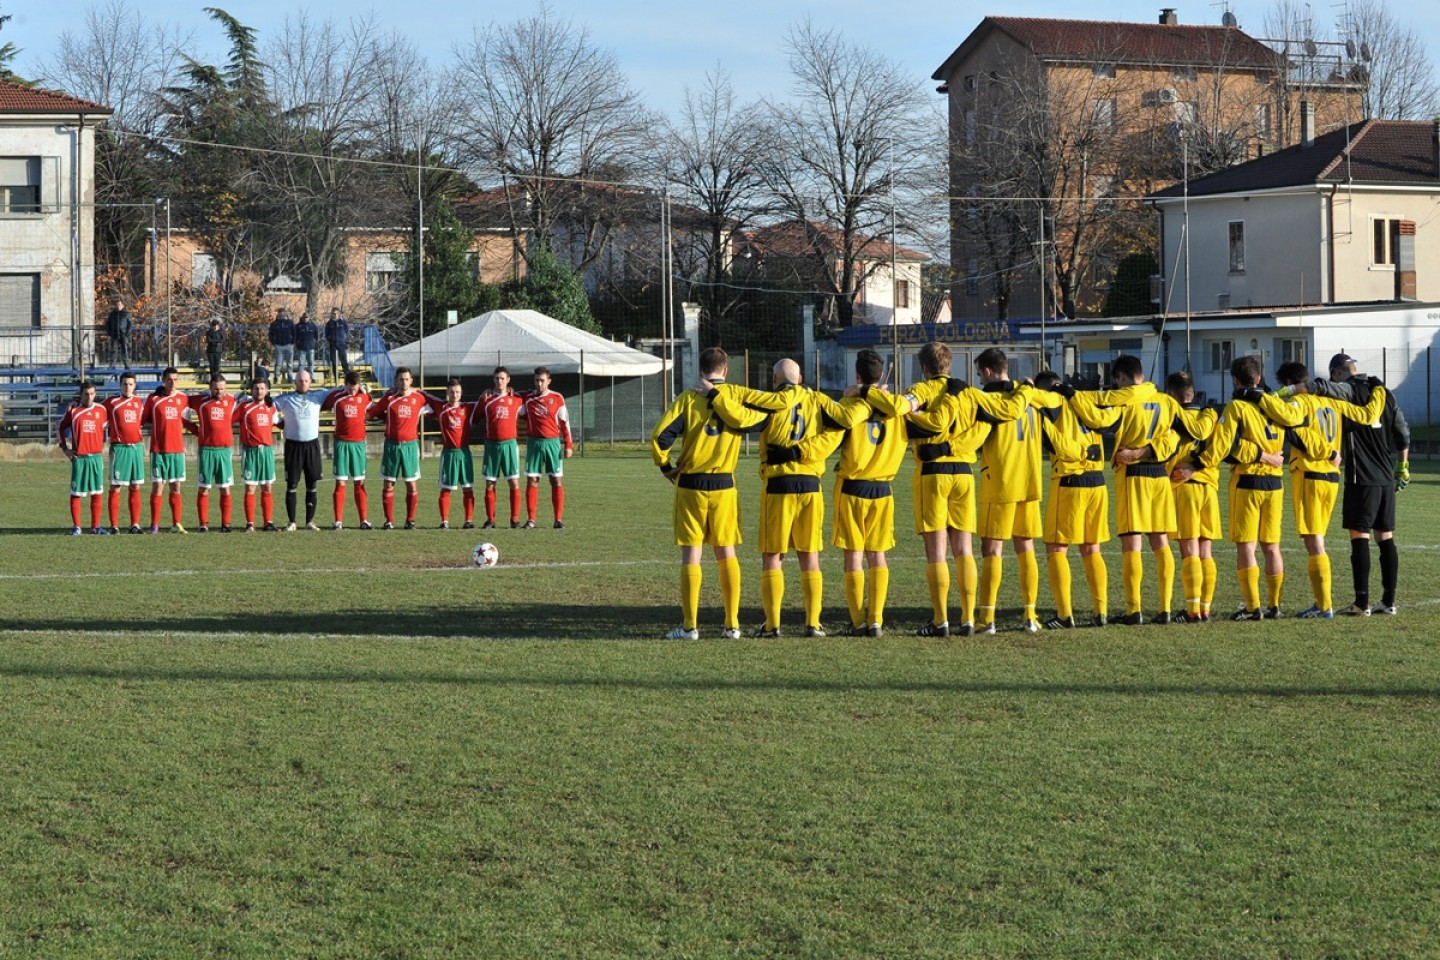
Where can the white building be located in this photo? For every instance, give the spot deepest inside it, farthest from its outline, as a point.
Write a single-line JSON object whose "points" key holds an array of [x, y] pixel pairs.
{"points": [[47, 217]]}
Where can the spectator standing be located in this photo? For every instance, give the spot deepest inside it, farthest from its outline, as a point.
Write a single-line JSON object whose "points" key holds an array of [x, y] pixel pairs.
{"points": [[214, 346], [337, 340], [282, 338], [117, 328], [307, 338]]}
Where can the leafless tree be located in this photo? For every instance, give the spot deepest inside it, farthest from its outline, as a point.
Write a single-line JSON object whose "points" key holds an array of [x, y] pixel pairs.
{"points": [[551, 118], [1395, 61], [851, 140]]}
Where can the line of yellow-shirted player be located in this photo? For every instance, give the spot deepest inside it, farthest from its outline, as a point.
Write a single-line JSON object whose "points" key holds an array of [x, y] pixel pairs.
{"points": [[1166, 471]]}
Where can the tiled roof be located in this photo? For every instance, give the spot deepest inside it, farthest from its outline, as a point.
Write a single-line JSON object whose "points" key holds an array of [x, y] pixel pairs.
{"points": [[1114, 42], [792, 239], [1375, 151], [15, 98]]}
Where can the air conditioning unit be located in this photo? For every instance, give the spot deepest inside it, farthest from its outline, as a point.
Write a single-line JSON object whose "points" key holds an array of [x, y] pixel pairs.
{"points": [[1166, 95]]}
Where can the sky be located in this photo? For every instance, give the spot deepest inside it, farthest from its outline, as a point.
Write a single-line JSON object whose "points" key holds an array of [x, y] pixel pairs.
{"points": [[663, 48]]}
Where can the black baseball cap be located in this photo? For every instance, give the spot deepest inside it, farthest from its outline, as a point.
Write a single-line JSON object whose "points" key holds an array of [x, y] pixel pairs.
{"points": [[1341, 359]]}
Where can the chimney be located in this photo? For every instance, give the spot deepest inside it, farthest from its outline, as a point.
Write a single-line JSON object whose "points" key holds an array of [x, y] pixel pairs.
{"points": [[1307, 123], [1167, 16], [1402, 241]]}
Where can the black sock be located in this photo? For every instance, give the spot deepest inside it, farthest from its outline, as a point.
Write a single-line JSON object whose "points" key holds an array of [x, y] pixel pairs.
{"points": [[1360, 569], [1389, 571], [290, 503], [311, 495]]}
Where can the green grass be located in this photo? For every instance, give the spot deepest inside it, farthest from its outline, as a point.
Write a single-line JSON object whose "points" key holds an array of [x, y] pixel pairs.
{"points": [[355, 745]]}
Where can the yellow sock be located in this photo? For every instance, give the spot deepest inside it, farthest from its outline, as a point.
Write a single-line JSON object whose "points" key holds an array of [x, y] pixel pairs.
{"points": [[937, 578], [772, 592], [1098, 577], [879, 590], [991, 569], [969, 578], [1249, 578], [1320, 579], [1209, 579], [1029, 582], [1057, 565], [812, 591], [730, 590], [1132, 571], [1274, 582], [689, 595], [855, 596], [1165, 577], [1192, 573]]}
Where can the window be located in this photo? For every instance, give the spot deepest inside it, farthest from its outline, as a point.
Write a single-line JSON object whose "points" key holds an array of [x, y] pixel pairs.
{"points": [[285, 283], [1132, 345], [972, 278], [20, 185], [970, 82], [1262, 121], [203, 270], [1187, 112], [19, 300], [1103, 115], [1293, 351], [1222, 354], [1385, 229], [1103, 185], [1104, 70], [1187, 73], [382, 272], [902, 294], [1237, 246]]}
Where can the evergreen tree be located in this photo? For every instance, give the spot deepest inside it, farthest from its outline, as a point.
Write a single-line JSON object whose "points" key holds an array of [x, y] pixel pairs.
{"points": [[8, 53], [451, 282], [552, 287], [1129, 294]]}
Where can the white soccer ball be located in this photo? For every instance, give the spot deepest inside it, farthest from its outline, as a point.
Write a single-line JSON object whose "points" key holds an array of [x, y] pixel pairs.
{"points": [[486, 555]]}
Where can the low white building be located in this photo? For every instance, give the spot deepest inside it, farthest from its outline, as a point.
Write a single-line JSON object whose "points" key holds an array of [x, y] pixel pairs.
{"points": [[47, 217]]}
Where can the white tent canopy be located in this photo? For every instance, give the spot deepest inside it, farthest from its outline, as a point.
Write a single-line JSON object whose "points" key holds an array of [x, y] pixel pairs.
{"points": [[522, 340]]}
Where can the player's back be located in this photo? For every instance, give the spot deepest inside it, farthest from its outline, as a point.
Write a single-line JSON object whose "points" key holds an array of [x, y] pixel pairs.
{"points": [[873, 449], [707, 445], [1010, 458]]}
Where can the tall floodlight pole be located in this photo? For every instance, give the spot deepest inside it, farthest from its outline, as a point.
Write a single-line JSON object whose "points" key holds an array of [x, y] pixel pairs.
{"points": [[420, 243], [894, 271], [1185, 233]]}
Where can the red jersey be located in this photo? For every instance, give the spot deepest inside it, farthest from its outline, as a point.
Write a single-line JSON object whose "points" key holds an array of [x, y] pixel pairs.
{"points": [[165, 417], [454, 423], [217, 419], [257, 423], [127, 415], [546, 417], [501, 414], [86, 426], [349, 414], [402, 415]]}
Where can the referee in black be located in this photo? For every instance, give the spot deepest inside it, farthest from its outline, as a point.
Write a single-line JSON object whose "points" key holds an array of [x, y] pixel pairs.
{"points": [[300, 418], [1377, 465]]}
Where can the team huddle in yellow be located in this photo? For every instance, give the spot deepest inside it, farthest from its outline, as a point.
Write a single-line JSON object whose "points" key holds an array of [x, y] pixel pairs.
{"points": [[1167, 454]]}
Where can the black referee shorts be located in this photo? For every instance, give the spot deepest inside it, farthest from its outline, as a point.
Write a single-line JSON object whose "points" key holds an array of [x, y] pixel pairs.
{"points": [[1368, 508], [302, 458]]}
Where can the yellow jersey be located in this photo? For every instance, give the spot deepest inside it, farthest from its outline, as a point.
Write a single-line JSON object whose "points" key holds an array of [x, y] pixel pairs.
{"points": [[1261, 424], [1315, 445], [791, 415], [708, 445]]}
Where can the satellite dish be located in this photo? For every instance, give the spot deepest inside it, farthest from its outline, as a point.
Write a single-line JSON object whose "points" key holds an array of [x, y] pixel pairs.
{"points": [[1229, 19], [1365, 52], [1310, 48], [1350, 49]]}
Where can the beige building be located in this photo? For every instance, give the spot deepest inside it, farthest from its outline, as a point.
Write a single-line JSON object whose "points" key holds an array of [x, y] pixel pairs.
{"points": [[47, 224]]}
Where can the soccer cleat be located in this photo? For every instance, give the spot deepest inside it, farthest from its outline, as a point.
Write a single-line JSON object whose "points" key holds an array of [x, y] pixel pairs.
{"points": [[135, 528], [1131, 619], [409, 524], [1205, 616], [366, 525], [559, 525], [763, 634], [75, 531], [113, 530], [730, 633], [444, 524], [249, 528], [1060, 623], [387, 525], [986, 629], [875, 630], [488, 525], [1162, 618], [1313, 612], [680, 633], [529, 524], [311, 525], [1385, 610], [1355, 610], [337, 525], [861, 631], [178, 528], [154, 528], [514, 524], [203, 528], [269, 527], [966, 629], [1189, 618], [1271, 613], [226, 528], [1099, 620], [1243, 614], [934, 630], [290, 527], [100, 531], [815, 631], [468, 525], [1031, 626]]}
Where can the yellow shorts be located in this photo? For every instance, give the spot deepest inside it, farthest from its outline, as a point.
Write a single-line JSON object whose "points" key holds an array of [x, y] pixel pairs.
{"points": [[1144, 504], [1077, 514], [792, 521], [1197, 512], [1314, 501], [863, 523], [944, 501], [1255, 515], [707, 518], [1001, 521]]}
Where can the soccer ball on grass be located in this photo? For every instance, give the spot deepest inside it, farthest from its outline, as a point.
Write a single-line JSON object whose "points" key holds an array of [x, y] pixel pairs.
{"points": [[486, 555]]}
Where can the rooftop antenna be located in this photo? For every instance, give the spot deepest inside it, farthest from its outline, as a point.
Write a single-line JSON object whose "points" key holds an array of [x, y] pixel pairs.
{"points": [[1227, 17]]}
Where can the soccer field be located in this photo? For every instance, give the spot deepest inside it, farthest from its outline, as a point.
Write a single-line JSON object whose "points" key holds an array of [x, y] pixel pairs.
{"points": [[359, 745]]}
